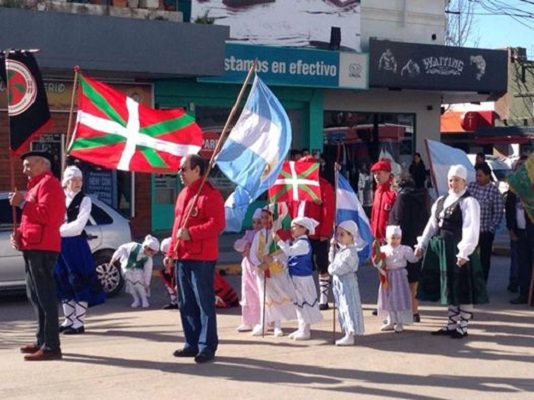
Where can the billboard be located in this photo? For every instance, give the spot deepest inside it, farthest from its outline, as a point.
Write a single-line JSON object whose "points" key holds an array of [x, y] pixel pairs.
{"points": [[292, 23]]}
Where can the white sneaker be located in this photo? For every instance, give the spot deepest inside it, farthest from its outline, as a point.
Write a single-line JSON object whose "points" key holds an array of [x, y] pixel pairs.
{"points": [[302, 336], [257, 331], [145, 304], [347, 340], [278, 332], [135, 304], [244, 328], [399, 328], [387, 327], [293, 334]]}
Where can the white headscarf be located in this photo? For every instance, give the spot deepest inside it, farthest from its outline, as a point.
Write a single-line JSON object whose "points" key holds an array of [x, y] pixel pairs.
{"points": [[257, 214], [393, 230], [351, 227], [165, 243], [308, 223], [70, 172], [457, 170], [151, 242]]}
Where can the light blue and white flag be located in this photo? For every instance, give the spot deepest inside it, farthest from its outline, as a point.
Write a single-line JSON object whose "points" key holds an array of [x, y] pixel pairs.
{"points": [[441, 158], [348, 207], [253, 154]]}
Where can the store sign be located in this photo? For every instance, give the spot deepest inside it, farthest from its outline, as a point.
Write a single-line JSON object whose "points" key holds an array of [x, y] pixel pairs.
{"points": [[210, 142], [295, 67], [432, 67]]}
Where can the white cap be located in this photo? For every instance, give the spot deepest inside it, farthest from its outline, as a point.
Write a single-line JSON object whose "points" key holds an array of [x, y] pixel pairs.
{"points": [[457, 170], [257, 214], [151, 242], [165, 243], [70, 172], [308, 223], [393, 230]]}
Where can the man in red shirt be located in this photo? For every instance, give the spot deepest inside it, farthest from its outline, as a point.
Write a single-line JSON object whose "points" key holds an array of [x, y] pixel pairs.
{"points": [[383, 199], [43, 212], [195, 247]]}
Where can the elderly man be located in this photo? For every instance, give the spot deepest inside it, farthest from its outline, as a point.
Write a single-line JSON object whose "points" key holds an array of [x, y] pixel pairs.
{"points": [[195, 247], [43, 211]]}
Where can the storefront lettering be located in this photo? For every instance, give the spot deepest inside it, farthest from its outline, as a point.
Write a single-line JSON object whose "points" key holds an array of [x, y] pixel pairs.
{"points": [[318, 68], [443, 65], [54, 87], [299, 67]]}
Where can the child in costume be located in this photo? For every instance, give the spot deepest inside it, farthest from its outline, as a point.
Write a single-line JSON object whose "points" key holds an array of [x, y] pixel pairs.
{"points": [[250, 300], [274, 287], [300, 268], [169, 279], [136, 263], [343, 266], [394, 298]]}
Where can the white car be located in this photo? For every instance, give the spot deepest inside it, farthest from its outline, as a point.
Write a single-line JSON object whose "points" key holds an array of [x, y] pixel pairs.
{"points": [[499, 170], [106, 231]]}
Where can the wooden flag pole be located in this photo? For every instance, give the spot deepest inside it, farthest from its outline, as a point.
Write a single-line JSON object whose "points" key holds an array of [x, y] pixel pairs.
{"points": [[218, 147], [71, 112]]}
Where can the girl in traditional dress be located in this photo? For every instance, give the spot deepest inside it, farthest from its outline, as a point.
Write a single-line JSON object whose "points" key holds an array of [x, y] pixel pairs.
{"points": [[343, 266], [250, 300], [77, 284], [394, 298], [300, 268], [136, 263]]}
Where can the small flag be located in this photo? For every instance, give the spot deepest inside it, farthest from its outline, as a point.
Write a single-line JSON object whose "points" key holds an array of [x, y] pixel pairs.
{"points": [[298, 181]]}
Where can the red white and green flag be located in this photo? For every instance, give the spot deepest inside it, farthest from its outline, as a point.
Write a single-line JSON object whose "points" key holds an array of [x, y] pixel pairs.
{"points": [[298, 181], [116, 132]]}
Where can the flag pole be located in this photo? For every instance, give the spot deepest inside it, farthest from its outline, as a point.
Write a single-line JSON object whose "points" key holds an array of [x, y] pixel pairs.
{"points": [[336, 173], [218, 147], [71, 112]]}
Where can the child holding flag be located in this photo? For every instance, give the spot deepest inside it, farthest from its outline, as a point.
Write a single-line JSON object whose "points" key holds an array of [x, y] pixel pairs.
{"points": [[343, 266], [250, 300], [394, 298], [300, 267]]}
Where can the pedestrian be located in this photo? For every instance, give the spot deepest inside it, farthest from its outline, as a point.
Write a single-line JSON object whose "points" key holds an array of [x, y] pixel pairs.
{"points": [[38, 237], [276, 292], [418, 171], [250, 298], [300, 268], [137, 265], [168, 277], [394, 298], [491, 212], [195, 248], [343, 267], [77, 284], [452, 273], [410, 212]]}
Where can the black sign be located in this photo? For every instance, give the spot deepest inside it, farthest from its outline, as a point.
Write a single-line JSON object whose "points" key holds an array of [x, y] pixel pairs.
{"points": [[398, 65], [101, 184]]}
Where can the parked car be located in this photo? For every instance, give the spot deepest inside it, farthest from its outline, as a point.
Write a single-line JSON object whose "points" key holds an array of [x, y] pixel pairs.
{"points": [[499, 170], [106, 231]]}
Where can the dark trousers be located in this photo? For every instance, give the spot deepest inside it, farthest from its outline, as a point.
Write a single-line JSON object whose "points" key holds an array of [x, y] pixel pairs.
{"points": [[513, 280], [197, 305], [525, 246], [320, 254], [41, 291], [485, 243]]}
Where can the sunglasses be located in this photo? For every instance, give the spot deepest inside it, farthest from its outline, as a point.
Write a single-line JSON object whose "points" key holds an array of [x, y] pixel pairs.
{"points": [[183, 169]]}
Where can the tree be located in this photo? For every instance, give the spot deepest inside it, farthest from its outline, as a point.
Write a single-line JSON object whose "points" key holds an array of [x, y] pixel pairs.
{"points": [[460, 24]]}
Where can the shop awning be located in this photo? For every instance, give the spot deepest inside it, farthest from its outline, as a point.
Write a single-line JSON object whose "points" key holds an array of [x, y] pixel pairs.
{"points": [[505, 134]]}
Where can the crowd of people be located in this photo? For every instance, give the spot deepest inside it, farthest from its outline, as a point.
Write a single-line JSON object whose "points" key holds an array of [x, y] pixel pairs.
{"points": [[433, 253]]}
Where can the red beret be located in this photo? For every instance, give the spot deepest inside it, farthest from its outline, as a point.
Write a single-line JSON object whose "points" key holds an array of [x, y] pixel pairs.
{"points": [[382, 165]]}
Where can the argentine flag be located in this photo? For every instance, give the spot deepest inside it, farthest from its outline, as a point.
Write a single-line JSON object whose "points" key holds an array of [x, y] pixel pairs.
{"points": [[348, 207], [253, 154]]}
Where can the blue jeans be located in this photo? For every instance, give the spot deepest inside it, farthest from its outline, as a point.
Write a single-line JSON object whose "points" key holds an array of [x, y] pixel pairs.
{"points": [[197, 305], [41, 291]]}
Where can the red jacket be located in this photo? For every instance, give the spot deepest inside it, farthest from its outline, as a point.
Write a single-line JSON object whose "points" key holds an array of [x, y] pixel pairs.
{"points": [[323, 212], [204, 225], [43, 214], [382, 206]]}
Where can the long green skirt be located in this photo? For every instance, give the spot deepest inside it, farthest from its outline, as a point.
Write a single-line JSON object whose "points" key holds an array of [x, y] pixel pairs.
{"points": [[442, 280]]}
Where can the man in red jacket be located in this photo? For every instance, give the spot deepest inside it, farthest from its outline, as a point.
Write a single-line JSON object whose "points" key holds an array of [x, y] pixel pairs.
{"points": [[195, 247], [383, 199], [43, 212]]}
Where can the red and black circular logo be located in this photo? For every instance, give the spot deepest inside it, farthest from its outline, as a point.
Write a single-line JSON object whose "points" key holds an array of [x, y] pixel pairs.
{"points": [[22, 88]]}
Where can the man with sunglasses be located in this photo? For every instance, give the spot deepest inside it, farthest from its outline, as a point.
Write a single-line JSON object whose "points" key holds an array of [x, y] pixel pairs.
{"points": [[199, 219]]}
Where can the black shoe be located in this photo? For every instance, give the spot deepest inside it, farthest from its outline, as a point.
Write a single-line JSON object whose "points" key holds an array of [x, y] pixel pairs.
{"points": [[519, 300], [63, 328], [323, 307], [375, 312], [513, 288], [170, 306], [458, 335], [416, 318], [202, 358], [181, 353], [442, 332], [74, 331]]}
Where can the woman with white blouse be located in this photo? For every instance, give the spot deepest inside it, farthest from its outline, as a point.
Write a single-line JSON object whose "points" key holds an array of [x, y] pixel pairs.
{"points": [[452, 273]]}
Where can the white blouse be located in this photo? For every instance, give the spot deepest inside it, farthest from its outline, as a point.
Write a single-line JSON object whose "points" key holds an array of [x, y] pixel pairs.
{"points": [[470, 224], [398, 257], [76, 227]]}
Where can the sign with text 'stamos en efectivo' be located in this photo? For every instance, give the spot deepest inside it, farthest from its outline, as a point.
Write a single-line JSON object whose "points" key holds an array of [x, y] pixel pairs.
{"points": [[295, 67]]}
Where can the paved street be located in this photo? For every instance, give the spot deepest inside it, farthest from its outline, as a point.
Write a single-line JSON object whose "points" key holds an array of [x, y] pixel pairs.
{"points": [[127, 354]]}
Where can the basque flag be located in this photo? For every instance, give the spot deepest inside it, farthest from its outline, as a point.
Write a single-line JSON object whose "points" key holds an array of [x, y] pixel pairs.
{"points": [[29, 115]]}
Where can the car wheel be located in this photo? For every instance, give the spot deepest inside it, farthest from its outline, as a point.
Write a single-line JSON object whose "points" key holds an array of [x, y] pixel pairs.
{"points": [[109, 275]]}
